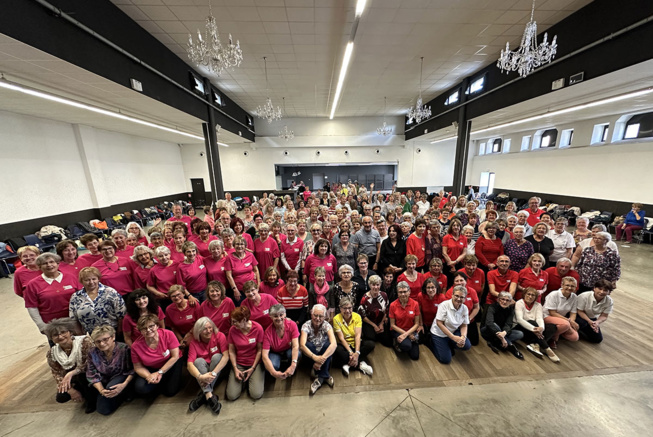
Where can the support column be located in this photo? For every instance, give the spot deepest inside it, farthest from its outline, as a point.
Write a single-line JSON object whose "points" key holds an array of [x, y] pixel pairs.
{"points": [[213, 158], [462, 150]]}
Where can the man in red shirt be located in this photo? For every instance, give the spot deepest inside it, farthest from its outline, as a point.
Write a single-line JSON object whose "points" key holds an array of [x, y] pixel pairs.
{"points": [[562, 269], [534, 211], [501, 279]]}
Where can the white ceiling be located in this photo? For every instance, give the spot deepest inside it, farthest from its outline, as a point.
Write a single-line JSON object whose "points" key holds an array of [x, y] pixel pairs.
{"points": [[304, 41], [26, 65]]}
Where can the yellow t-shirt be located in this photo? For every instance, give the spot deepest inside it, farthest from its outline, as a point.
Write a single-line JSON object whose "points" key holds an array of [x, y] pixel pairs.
{"points": [[348, 330]]}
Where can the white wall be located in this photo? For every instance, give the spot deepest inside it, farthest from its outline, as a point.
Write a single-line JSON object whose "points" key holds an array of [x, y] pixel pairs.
{"points": [[49, 168], [613, 171]]}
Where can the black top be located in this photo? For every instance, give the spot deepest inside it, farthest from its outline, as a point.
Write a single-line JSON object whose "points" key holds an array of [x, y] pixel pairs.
{"points": [[336, 293], [545, 247], [499, 315], [363, 283], [391, 254]]}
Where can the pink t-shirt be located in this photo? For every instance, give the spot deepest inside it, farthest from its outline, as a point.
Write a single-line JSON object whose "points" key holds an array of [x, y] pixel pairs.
{"points": [[249, 242], [272, 290], [177, 257], [117, 275], [141, 276], [242, 270], [193, 276], [22, 277], [203, 247], [246, 345], [219, 315], [260, 313], [217, 270], [155, 358], [292, 251], [126, 253], [129, 325], [273, 343], [199, 349], [70, 269], [265, 253], [51, 299], [182, 320], [184, 218], [88, 259], [313, 262], [162, 278]]}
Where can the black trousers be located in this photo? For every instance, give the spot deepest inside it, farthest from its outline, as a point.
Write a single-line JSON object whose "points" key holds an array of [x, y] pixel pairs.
{"points": [[586, 331], [169, 385], [472, 332], [79, 383], [370, 334], [530, 337], [341, 355]]}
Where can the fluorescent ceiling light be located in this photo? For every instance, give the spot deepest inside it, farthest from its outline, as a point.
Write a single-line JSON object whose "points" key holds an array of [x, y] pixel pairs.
{"points": [[341, 79], [568, 110], [53, 98], [444, 139], [360, 6]]}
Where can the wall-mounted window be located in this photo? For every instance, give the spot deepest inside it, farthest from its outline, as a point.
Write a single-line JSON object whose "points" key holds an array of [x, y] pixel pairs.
{"points": [[525, 143], [476, 85], [565, 140], [453, 98], [600, 133], [481, 149], [506, 145], [545, 139], [250, 121], [639, 126], [217, 98], [197, 84]]}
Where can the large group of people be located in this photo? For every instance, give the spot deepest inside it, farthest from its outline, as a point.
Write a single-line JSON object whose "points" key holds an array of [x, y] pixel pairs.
{"points": [[323, 279]]}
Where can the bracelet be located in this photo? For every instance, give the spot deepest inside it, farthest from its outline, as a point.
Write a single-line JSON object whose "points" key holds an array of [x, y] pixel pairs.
{"points": [[294, 361]]}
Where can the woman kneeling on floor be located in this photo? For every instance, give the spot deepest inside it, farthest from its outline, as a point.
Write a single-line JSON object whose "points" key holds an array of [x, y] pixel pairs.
{"points": [[245, 346], [281, 344], [594, 309], [351, 350], [449, 331], [498, 326]]}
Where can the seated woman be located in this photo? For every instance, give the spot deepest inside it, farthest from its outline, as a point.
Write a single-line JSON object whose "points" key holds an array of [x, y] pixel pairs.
{"points": [[191, 273], [429, 299], [541, 243], [560, 310], [258, 304], [593, 309], [156, 359], [208, 355], [271, 283], [294, 297], [345, 288], [245, 345], [96, 304], [411, 276], [67, 360], [281, 344], [529, 320], [449, 331], [67, 250], [498, 330], [634, 222], [373, 309], [139, 303], [320, 292], [181, 316], [47, 296], [352, 350], [598, 262], [109, 370], [318, 342], [143, 258], [217, 306], [405, 322], [117, 272]]}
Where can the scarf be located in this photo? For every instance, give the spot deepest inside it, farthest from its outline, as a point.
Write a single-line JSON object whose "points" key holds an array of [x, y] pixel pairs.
{"points": [[320, 292], [71, 361]]}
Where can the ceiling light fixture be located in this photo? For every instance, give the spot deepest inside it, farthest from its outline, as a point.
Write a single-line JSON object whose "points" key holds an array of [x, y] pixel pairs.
{"points": [[384, 130], [419, 112], [53, 98], [210, 52], [285, 133], [341, 78], [360, 6], [529, 55], [444, 139], [268, 111]]}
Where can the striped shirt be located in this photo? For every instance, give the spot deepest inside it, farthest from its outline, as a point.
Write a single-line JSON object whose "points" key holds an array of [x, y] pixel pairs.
{"points": [[298, 301]]}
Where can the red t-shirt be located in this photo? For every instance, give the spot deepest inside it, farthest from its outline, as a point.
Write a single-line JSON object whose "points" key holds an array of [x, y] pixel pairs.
{"points": [[118, 275], [51, 299], [487, 251], [155, 358], [182, 320], [476, 281], [177, 257], [415, 287], [129, 324], [70, 269], [246, 345], [555, 281], [126, 253], [500, 282], [533, 217], [22, 277], [416, 246], [429, 307], [470, 300], [272, 290], [260, 313], [454, 247], [442, 279], [404, 317], [527, 278], [162, 278], [219, 315], [88, 259], [242, 270], [199, 349], [185, 219], [249, 242], [312, 262], [293, 251], [265, 253], [193, 276], [217, 270], [273, 343]]}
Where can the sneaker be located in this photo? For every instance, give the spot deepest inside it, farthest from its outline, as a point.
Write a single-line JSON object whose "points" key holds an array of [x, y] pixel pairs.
{"points": [[515, 352], [315, 386], [366, 368], [197, 402], [214, 404], [552, 356], [535, 350], [553, 344], [330, 381], [493, 347], [345, 370]]}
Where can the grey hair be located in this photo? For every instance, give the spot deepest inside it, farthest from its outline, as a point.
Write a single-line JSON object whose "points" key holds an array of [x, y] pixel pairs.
{"points": [[524, 212], [345, 268], [563, 260], [119, 232], [600, 226], [101, 330], [138, 251], [345, 301], [582, 219], [44, 257], [569, 279], [214, 243], [374, 279], [57, 326], [468, 227], [199, 326], [319, 307], [519, 227], [605, 235], [404, 285], [228, 232], [505, 294], [161, 250], [460, 288], [277, 309]]}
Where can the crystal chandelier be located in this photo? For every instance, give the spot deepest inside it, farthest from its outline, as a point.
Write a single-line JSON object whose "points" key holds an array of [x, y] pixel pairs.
{"points": [[268, 111], [210, 52], [286, 134], [419, 112], [384, 129], [529, 55]]}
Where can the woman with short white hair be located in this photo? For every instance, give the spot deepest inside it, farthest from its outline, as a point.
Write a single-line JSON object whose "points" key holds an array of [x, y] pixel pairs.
{"points": [[598, 262]]}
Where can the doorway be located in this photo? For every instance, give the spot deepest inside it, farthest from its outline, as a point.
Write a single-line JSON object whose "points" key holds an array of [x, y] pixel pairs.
{"points": [[318, 181], [199, 194]]}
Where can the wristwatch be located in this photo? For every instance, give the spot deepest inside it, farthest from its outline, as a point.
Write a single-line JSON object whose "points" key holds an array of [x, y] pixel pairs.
{"points": [[294, 361], [214, 374], [160, 372]]}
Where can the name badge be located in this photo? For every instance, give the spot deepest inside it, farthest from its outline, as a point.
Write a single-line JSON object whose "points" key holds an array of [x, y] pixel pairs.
{"points": [[189, 316], [477, 281], [267, 249], [296, 250], [248, 264], [251, 340], [225, 315], [202, 266], [123, 268], [67, 287], [508, 281], [266, 311], [460, 243], [214, 349], [329, 264], [542, 280], [166, 353], [174, 272], [469, 298], [411, 312]]}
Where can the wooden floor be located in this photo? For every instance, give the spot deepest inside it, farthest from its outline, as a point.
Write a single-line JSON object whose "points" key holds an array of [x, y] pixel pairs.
{"points": [[28, 386]]}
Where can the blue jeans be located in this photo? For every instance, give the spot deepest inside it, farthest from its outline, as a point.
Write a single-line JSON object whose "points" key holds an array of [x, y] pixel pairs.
{"points": [[442, 347], [489, 333], [201, 296], [106, 406], [286, 356], [324, 370]]}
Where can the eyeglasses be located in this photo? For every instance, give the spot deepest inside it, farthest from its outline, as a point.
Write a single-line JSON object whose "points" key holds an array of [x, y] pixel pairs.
{"points": [[102, 340], [151, 327]]}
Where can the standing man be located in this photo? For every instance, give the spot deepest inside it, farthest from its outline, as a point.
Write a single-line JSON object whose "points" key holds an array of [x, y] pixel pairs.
{"points": [[230, 204], [367, 240], [534, 211]]}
